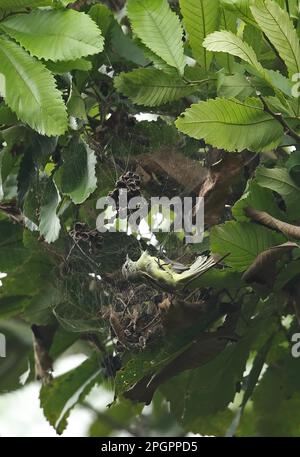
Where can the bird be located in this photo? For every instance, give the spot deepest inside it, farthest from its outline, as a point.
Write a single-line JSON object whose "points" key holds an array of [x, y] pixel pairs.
{"points": [[164, 273]]}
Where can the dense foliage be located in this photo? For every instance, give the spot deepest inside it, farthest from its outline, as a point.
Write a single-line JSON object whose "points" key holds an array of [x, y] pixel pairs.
{"points": [[219, 81]]}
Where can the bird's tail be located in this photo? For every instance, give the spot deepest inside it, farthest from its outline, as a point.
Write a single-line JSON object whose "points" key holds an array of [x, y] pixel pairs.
{"points": [[200, 266]]}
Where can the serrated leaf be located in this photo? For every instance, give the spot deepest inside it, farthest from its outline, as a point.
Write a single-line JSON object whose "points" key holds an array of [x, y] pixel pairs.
{"points": [[59, 398], [159, 29], [232, 125], [200, 17], [280, 181], [30, 90], [241, 8], [243, 242], [76, 177], [152, 87], [49, 222], [229, 42], [55, 34], [278, 27], [279, 81], [102, 16], [124, 46]]}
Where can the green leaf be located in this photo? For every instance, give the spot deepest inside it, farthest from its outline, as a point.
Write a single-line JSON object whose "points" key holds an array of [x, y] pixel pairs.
{"points": [[39, 309], [236, 85], [259, 198], [55, 34], [19, 344], [280, 181], [256, 369], [218, 280], [241, 8], [280, 82], [76, 177], [278, 27], [157, 62], [232, 125], [49, 222], [200, 17], [12, 305], [243, 242], [159, 29], [254, 37], [7, 164], [293, 166], [115, 38], [229, 42], [119, 415], [124, 46], [68, 65], [12, 251], [102, 16], [11, 5], [7, 117], [280, 382], [27, 174], [76, 105], [209, 389], [29, 90], [152, 87], [59, 398]]}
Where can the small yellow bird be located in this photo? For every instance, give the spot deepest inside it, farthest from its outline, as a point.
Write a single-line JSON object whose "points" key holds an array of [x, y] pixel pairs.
{"points": [[164, 273]]}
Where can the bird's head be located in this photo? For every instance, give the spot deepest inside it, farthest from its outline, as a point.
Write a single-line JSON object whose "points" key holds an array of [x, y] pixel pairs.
{"points": [[129, 268]]}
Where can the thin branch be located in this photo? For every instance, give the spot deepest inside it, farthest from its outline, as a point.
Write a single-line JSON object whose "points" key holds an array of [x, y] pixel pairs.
{"points": [[262, 217]]}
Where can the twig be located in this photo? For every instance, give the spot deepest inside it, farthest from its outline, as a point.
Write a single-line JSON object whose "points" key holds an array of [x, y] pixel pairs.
{"points": [[264, 218]]}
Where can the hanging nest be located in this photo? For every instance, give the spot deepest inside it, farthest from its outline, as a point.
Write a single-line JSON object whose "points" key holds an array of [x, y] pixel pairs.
{"points": [[96, 299], [95, 296]]}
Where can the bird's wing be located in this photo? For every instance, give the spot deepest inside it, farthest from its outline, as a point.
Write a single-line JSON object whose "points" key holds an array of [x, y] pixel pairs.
{"points": [[176, 266]]}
